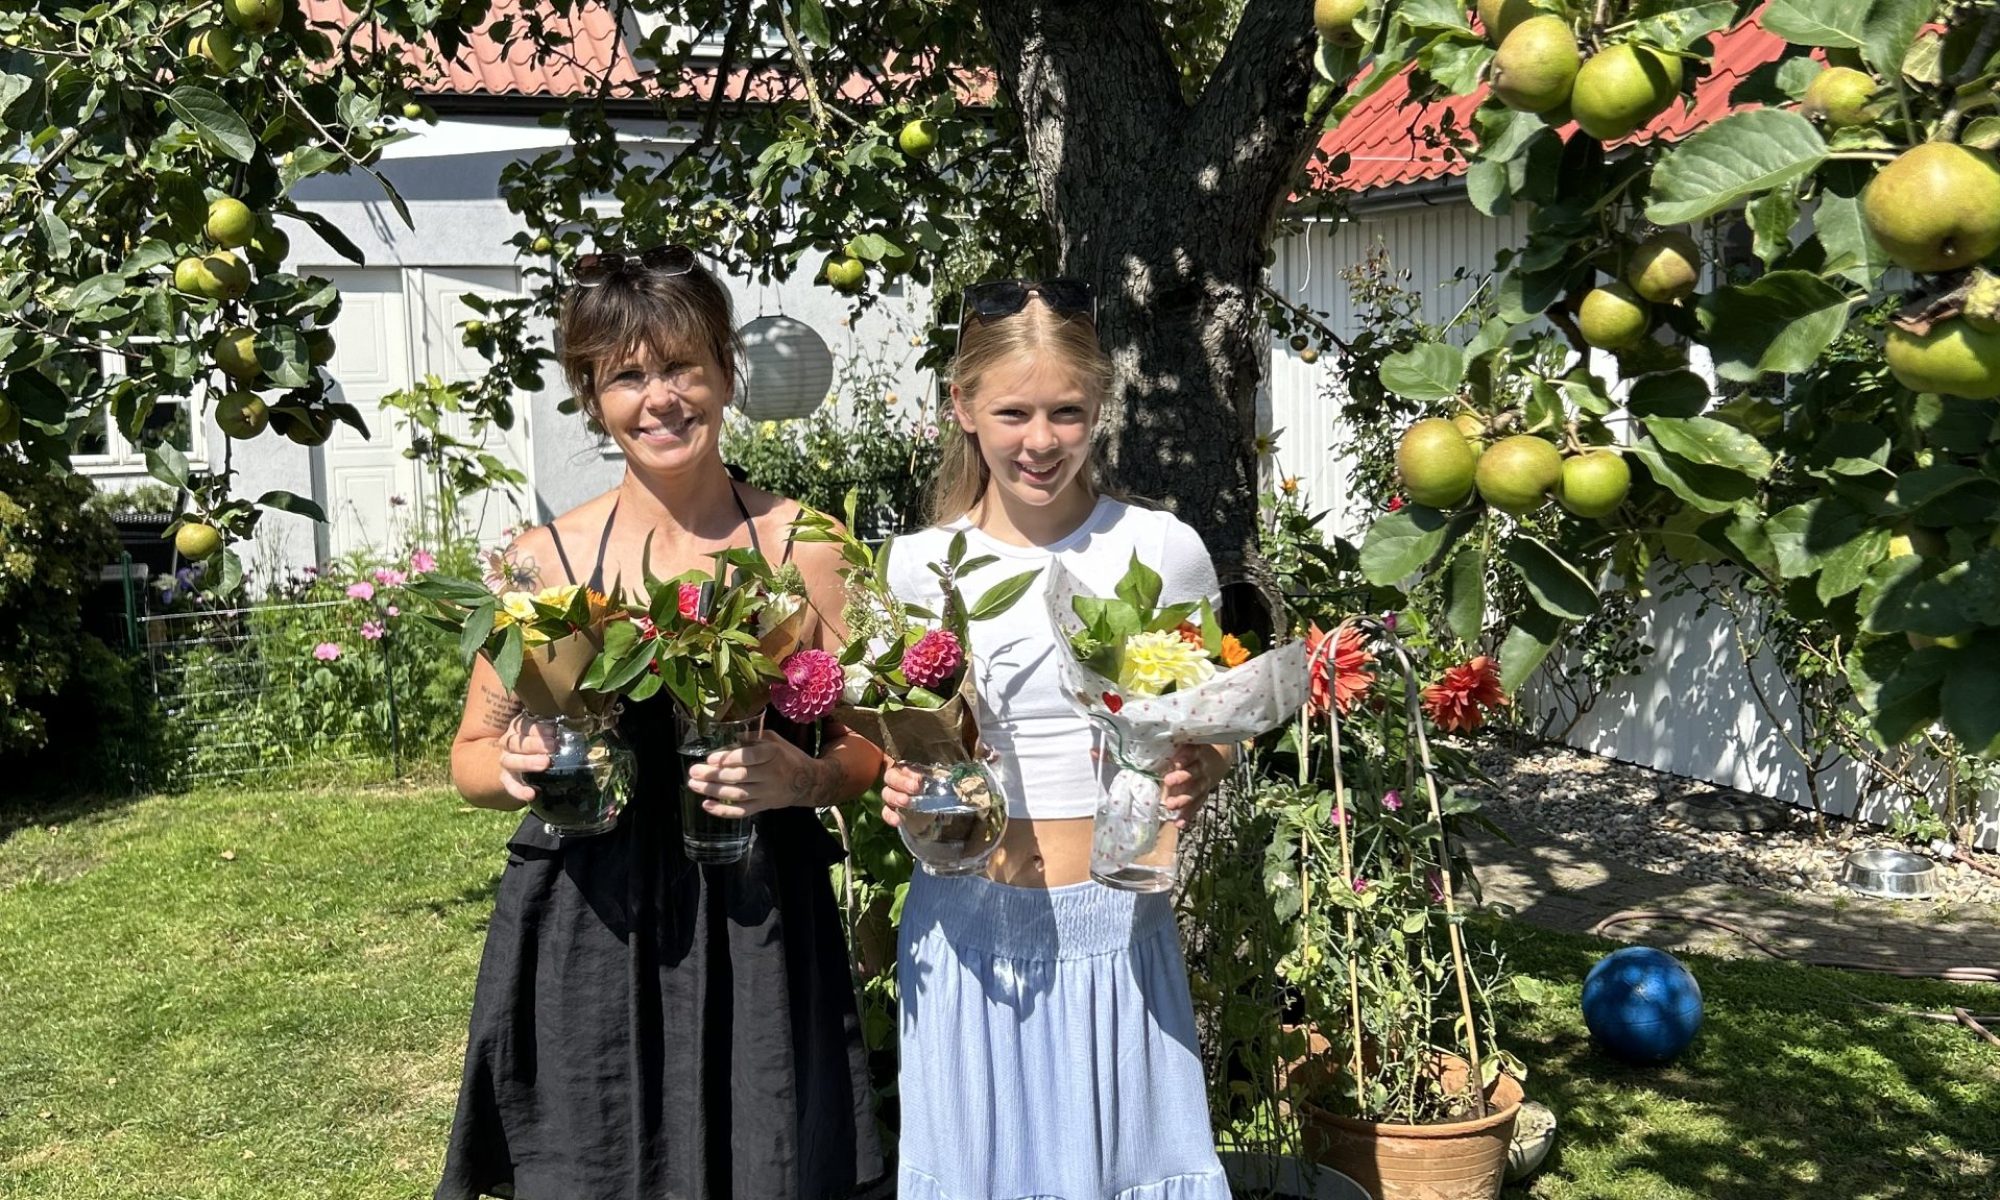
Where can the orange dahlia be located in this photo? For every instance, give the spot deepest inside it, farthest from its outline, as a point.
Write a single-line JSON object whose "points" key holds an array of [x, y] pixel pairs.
{"points": [[1233, 653], [1341, 677], [1459, 701]]}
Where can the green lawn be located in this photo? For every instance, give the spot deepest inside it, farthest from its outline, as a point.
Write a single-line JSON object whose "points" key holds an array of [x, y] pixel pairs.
{"points": [[263, 995]]}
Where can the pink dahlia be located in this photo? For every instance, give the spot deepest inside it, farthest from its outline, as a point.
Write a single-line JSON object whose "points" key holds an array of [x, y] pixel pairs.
{"points": [[933, 660], [690, 601], [810, 688]]}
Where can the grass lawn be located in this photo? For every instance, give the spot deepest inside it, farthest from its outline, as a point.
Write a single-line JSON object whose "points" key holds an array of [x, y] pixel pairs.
{"points": [[264, 994]]}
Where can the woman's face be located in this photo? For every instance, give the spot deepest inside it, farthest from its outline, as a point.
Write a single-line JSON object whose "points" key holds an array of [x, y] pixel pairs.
{"points": [[1034, 422], [664, 414]]}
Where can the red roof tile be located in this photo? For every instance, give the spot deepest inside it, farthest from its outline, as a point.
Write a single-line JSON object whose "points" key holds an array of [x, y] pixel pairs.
{"points": [[1389, 141]]}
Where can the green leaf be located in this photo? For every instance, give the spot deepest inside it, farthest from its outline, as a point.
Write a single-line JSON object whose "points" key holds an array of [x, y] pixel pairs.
{"points": [[1834, 23], [167, 465], [1851, 249], [1426, 372], [478, 626], [1969, 701], [1891, 28], [1782, 322], [1738, 157], [1140, 586], [812, 23], [1465, 594], [1681, 28], [1706, 441], [1710, 489], [507, 662], [1557, 586], [1907, 701], [1668, 394], [330, 234], [1772, 217], [1534, 634], [1446, 15], [212, 118], [291, 503], [1002, 596], [96, 291], [1401, 543]]}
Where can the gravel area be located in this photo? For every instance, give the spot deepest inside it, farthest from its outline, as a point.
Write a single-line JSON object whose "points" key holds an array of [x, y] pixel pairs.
{"points": [[1621, 811]]}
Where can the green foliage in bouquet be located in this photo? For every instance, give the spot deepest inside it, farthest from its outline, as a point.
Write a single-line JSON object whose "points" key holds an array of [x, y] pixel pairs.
{"points": [[1110, 624]]}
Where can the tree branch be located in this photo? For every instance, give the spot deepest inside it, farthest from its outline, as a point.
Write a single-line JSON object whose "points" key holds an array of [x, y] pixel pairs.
{"points": [[1257, 96]]}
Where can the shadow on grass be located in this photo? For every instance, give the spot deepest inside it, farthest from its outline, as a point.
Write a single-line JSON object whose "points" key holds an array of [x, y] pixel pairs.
{"points": [[1795, 1087]]}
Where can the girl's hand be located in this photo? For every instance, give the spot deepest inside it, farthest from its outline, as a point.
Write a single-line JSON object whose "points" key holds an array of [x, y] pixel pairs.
{"points": [[764, 773], [524, 748], [900, 785], [1191, 775]]}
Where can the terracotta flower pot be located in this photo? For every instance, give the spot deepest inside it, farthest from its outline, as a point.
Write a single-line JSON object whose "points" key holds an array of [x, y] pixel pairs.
{"points": [[1452, 1160]]}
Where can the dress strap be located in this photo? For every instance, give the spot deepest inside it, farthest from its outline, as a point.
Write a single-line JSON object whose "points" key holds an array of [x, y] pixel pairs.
{"points": [[743, 511], [603, 544], [562, 556]]}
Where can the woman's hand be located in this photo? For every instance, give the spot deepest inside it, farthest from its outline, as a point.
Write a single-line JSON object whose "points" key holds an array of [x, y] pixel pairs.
{"points": [[1192, 774], [764, 773], [524, 747], [900, 785]]}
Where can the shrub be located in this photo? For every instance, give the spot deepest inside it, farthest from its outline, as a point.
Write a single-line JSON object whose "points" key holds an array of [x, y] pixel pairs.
{"points": [[51, 547]]}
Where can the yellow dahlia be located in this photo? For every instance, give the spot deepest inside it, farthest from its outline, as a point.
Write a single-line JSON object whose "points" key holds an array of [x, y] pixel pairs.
{"points": [[1157, 663], [518, 605]]}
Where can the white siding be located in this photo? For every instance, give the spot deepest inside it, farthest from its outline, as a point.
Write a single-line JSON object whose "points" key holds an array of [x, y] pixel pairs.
{"points": [[1692, 711]]}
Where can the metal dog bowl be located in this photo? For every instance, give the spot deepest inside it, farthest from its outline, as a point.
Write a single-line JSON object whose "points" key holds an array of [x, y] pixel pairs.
{"points": [[1891, 874]]}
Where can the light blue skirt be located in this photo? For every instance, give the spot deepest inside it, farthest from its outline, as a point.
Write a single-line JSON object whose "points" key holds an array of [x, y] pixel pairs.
{"points": [[1048, 1047]]}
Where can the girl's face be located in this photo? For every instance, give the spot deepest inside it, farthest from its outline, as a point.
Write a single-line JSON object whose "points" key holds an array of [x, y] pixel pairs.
{"points": [[1034, 423], [664, 414]]}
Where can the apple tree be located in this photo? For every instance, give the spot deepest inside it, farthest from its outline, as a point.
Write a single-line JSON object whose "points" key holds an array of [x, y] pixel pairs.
{"points": [[1856, 178]]}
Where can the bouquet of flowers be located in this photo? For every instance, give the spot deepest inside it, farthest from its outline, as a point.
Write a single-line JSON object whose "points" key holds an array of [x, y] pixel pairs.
{"points": [[903, 681], [1154, 678]]}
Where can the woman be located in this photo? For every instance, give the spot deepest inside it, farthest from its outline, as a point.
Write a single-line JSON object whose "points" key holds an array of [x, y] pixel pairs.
{"points": [[642, 1026], [1048, 1040]]}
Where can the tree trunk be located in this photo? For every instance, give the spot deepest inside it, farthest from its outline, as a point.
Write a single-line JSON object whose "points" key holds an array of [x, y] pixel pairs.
{"points": [[1167, 207]]}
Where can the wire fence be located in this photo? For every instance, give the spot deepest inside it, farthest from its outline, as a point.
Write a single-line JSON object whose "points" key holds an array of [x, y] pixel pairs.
{"points": [[274, 690]]}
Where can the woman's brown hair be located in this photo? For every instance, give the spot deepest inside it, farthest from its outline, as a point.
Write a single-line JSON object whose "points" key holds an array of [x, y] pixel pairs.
{"points": [[1036, 332], [670, 315]]}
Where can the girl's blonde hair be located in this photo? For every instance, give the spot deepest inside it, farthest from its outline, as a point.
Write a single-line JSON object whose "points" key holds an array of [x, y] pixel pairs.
{"points": [[1038, 333], [670, 315]]}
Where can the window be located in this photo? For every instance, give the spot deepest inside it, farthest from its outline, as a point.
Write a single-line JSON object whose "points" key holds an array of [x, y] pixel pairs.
{"points": [[101, 444]]}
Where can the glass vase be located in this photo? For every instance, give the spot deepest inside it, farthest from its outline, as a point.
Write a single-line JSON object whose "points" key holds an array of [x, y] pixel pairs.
{"points": [[706, 837], [954, 822], [589, 777], [1133, 844]]}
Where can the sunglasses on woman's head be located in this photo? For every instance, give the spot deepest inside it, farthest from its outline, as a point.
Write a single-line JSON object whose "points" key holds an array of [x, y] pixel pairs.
{"points": [[593, 270], [1005, 297]]}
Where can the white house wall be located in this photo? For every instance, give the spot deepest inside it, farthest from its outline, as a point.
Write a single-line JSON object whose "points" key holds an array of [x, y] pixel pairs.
{"points": [[1692, 711], [448, 176]]}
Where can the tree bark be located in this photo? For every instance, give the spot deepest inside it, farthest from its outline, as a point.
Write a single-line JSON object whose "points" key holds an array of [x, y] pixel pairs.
{"points": [[1166, 207]]}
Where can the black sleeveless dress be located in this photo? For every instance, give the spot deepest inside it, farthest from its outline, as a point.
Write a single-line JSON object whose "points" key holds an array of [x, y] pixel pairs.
{"points": [[646, 1027]]}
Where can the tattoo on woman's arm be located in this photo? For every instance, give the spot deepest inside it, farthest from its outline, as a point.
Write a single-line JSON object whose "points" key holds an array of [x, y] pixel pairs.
{"points": [[500, 707]]}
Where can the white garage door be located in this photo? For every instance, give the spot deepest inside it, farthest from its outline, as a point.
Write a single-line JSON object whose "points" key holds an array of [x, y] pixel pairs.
{"points": [[397, 325]]}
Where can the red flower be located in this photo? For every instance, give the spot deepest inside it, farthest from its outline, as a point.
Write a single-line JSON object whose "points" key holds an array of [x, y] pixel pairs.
{"points": [[1114, 701], [1189, 634], [1395, 504], [690, 602], [933, 660], [1459, 701], [810, 688], [647, 630], [1340, 676]]}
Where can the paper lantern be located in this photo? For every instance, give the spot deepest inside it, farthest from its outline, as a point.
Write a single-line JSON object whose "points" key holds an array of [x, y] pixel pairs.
{"points": [[787, 369]]}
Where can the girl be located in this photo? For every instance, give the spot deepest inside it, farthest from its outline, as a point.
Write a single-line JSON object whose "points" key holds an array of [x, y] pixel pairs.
{"points": [[1048, 1039], [643, 1026]]}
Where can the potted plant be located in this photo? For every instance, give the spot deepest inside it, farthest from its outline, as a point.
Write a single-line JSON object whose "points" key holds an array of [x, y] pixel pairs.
{"points": [[1399, 1083]]}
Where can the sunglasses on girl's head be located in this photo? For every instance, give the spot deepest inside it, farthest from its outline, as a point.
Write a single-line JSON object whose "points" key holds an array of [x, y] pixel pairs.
{"points": [[593, 270], [1005, 297]]}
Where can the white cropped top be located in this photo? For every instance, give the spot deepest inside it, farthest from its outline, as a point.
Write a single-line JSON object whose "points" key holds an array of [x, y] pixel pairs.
{"points": [[1048, 760]]}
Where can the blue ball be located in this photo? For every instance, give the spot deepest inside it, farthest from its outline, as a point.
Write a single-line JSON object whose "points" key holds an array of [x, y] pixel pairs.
{"points": [[1641, 1004]]}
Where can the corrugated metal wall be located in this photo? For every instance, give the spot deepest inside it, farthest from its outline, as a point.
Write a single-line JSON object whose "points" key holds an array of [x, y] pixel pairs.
{"points": [[1693, 711]]}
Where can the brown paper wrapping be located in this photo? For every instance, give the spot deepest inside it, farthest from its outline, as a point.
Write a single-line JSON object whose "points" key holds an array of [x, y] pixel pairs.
{"points": [[923, 735], [552, 671]]}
